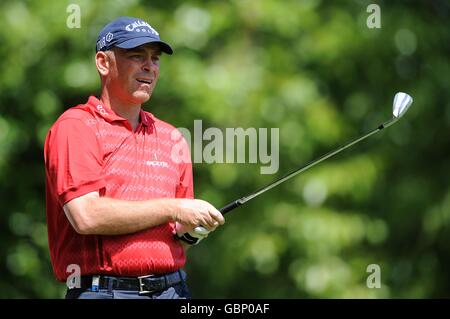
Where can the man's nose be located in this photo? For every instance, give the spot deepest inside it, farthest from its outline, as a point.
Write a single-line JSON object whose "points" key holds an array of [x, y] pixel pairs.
{"points": [[149, 65]]}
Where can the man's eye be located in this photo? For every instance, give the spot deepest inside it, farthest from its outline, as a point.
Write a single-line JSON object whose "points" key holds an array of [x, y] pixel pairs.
{"points": [[135, 56]]}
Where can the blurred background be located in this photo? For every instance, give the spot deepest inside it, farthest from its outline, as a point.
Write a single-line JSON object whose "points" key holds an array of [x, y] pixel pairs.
{"points": [[315, 70]]}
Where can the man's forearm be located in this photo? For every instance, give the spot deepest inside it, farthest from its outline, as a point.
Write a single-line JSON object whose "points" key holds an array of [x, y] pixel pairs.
{"points": [[108, 216], [91, 214]]}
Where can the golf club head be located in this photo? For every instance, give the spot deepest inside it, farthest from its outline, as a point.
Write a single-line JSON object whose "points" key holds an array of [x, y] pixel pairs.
{"points": [[402, 102]]}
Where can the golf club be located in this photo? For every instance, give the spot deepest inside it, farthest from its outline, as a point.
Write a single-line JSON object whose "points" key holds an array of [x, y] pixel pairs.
{"points": [[402, 101]]}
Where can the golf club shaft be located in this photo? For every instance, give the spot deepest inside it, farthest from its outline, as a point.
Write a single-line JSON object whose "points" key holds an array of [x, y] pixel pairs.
{"points": [[402, 102], [236, 203], [229, 207]]}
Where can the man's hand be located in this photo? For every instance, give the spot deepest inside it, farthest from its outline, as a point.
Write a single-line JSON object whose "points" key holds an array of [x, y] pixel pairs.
{"points": [[196, 212], [192, 214]]}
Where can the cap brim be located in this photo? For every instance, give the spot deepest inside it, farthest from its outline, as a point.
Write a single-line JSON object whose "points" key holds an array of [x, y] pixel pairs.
{"points": [[130, 44]]}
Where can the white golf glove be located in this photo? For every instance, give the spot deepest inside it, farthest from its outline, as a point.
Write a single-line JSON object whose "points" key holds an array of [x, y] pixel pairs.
{"points": [[189, 235]]}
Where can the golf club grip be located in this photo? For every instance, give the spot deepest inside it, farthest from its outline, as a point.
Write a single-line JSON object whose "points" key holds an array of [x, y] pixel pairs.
{"points": [[229, 207]]}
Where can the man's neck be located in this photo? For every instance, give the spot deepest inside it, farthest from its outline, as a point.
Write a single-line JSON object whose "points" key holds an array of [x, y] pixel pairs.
{"points": [[126, 110]]}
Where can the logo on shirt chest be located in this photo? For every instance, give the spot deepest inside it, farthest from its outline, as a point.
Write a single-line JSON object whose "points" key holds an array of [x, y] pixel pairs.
{"points": [[156, 163]]}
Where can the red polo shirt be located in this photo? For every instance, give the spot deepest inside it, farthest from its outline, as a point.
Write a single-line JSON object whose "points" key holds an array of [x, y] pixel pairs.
{"points": [[90, 148]]}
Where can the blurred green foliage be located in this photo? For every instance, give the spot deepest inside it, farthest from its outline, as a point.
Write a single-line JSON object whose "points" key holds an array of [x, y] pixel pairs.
{"points": [[311, 68]]}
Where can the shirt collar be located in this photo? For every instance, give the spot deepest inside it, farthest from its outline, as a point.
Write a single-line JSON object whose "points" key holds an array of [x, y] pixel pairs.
{"points": [[146, 118], [110, 116]]}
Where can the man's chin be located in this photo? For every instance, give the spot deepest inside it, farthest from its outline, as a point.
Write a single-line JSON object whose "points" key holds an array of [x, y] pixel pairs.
{"points": [[141, 97]]}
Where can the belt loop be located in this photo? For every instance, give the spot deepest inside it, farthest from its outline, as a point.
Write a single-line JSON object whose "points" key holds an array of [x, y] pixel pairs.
{"points": [[110, 282]]}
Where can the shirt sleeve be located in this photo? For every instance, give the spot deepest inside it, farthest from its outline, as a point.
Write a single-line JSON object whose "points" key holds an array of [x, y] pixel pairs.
{"points": [[185, 188], [73, 160]]}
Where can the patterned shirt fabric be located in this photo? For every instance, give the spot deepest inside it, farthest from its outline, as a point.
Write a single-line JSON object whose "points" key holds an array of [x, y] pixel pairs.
{"points": [[90, 148]]}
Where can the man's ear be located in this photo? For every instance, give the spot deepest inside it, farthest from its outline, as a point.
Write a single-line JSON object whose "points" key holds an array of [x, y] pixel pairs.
{"points": [[103, 63]]}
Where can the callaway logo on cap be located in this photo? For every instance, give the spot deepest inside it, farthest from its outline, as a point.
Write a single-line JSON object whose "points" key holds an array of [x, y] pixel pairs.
{"points": [[127, 33]]}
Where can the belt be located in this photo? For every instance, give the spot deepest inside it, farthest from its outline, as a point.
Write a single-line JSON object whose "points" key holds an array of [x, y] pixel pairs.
{"points": [[143, 284]]}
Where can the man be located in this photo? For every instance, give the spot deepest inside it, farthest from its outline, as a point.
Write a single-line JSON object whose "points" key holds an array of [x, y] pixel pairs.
{"points": [[116, 196]]}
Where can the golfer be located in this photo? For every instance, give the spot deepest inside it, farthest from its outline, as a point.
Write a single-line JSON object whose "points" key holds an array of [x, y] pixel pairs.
{"points": [[118, 201]]}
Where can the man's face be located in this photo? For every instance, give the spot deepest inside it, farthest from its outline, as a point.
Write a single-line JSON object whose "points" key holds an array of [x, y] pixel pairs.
{"points": [[133, 73]]}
